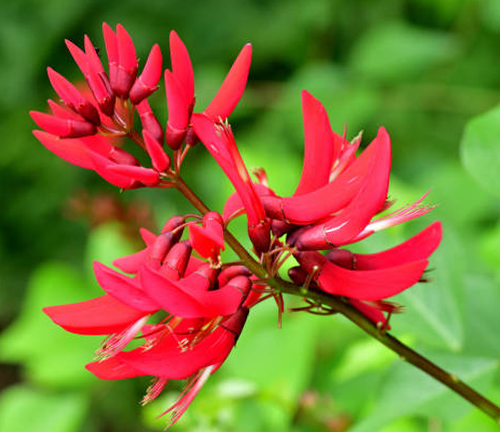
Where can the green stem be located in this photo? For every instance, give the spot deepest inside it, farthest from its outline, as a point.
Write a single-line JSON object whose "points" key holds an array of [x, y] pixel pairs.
{"points": [[343, 307]]}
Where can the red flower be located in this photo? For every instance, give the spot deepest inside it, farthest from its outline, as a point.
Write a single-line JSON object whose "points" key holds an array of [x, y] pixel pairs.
{"points": [[219, 140], [84, 130], [206, 311], [179, 85]]}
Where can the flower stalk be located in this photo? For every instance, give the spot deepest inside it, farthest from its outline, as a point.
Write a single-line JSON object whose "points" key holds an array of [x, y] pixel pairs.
{"points": [[336, 303]]}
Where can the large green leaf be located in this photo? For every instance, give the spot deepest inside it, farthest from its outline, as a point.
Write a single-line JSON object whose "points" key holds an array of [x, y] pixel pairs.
{"points": [[480, 150]]}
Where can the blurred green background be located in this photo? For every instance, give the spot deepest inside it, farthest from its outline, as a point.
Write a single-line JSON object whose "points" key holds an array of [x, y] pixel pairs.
{"points": [[421, 68]]}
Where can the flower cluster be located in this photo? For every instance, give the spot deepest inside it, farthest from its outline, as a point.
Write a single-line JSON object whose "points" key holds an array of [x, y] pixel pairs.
{"points": [[189, 311]]}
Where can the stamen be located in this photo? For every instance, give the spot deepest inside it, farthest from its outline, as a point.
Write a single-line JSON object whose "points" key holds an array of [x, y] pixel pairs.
{"points": [[117, 342]]}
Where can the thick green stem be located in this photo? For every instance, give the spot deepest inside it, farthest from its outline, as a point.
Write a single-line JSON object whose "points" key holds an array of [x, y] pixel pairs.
{"points": [[343, 307]]}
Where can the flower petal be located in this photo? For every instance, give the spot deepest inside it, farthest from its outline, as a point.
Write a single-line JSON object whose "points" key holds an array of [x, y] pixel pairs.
{"points": [[123, 288], [370, 284], [319, 143], [99, 316], [112, 369], [232, 88]]}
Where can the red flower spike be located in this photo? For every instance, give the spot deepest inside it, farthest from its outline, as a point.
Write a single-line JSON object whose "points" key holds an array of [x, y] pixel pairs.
{"points": [[71, 150], [147, 83], [182, 67], [178, 112], [73, 98], [159, 159], [124, 289], [112, 51], [64, 128], [127, 63], [320, 146], [146, 176], [149, 121], [232, 88], [99, 316], [175, 263]]}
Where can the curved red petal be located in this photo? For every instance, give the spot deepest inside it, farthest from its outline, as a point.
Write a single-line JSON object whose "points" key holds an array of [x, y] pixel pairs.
{"points": [[112, 369], [99, 316], [233, 86], [178, 103], [101, 167], [147, 176], [181, 66], [418, 247], [319, 146], [370, 284], [123, 288], [73, 151]]}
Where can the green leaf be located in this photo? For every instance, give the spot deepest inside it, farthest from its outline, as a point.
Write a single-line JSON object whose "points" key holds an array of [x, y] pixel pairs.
{"points": [[407, 390], [480, 150], [482, 326], [50, 355], [24, 409]]}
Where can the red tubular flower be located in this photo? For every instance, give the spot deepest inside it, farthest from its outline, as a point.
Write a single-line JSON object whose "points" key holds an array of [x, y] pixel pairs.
{"points": [[219, 141], [179, 85]]}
